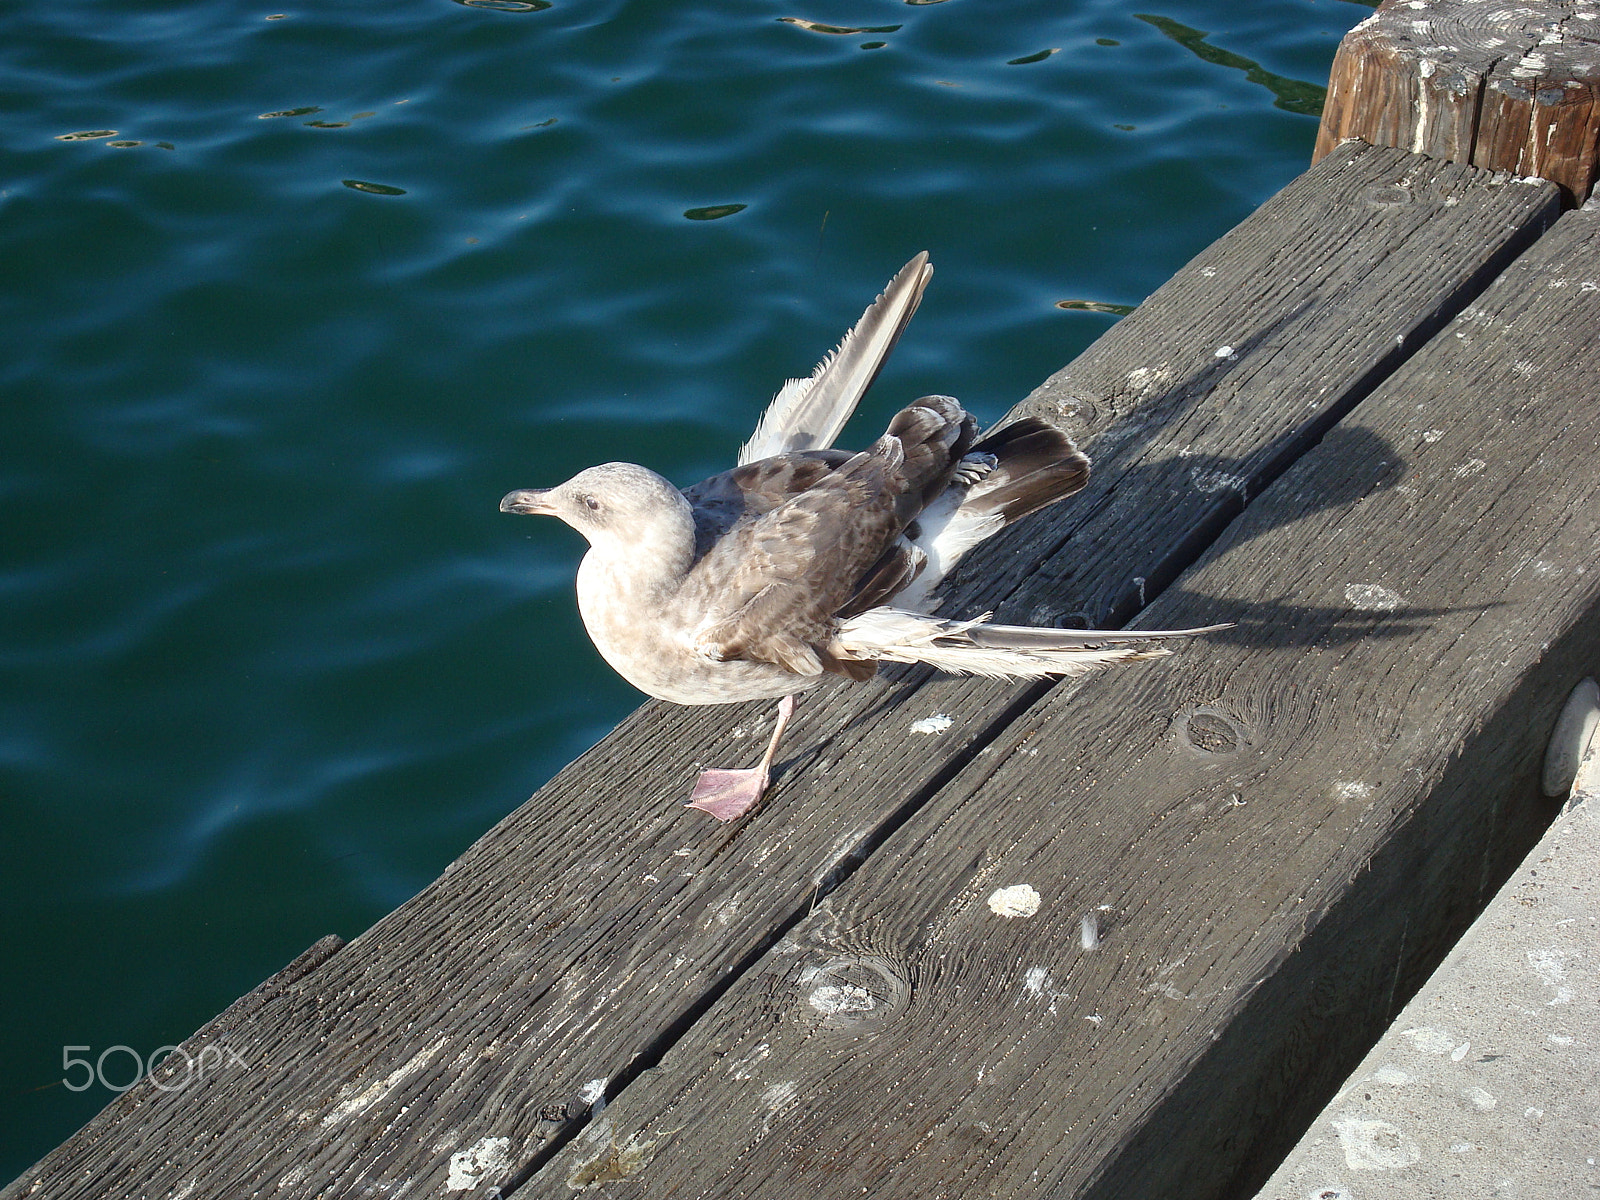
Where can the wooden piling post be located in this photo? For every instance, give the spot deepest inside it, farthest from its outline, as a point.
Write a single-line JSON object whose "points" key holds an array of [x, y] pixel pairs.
{"points": [[1505, 86]]}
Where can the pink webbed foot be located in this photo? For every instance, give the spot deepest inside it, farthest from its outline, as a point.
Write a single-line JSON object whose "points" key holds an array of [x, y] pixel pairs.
{"points": [[728, 794]]}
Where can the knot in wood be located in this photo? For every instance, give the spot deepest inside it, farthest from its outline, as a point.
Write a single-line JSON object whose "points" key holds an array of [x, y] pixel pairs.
{"points": [[1387, 195], [857, 994], [1209, 732]]}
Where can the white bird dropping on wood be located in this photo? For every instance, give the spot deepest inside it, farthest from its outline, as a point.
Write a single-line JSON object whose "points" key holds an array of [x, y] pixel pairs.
{"points": [[1019, 900], [593, 1096], [470, 1167]]}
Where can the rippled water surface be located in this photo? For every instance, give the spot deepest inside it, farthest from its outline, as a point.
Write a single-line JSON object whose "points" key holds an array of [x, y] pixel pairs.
{"points": [[291, 298]]}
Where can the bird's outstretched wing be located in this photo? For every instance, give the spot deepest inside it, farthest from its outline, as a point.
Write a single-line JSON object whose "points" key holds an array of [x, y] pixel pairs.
{"points": [[807, 414]]}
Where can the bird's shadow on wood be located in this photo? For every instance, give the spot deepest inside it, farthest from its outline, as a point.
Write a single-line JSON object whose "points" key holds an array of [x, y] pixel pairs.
{"points": [[1227, 515], [1263, 626], [1079, 571], [1353, 465]]}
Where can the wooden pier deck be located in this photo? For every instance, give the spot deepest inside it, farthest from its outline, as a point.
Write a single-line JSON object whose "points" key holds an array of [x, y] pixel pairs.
{"points": [[1362, 425]]}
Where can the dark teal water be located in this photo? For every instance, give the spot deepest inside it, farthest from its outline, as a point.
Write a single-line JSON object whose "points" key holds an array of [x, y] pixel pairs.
{"points": [[290, 299]]}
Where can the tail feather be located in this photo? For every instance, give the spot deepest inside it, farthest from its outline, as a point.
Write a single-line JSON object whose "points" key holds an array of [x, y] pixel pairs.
{"points": [[1015, 472], [807, 414], [1024, 637], [1036, 464], [997, 651]]}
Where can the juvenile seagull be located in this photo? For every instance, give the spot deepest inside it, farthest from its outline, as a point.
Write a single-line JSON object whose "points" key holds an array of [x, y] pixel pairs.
{"points": [[805, 561]]}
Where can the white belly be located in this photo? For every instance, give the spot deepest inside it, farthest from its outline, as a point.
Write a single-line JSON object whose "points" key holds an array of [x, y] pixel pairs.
{"points": [[649, 641]]}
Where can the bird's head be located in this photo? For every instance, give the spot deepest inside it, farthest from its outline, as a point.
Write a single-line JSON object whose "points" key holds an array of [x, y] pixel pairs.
{"points": [[613, 505]]}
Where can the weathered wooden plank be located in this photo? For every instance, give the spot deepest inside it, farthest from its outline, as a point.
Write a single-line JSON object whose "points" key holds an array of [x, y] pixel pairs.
{"points": [[1505, 87], [578, 938], [1279, 832]]}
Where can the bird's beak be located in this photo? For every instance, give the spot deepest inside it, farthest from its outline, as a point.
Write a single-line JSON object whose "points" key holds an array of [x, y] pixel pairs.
{"points": [[530, 501]]}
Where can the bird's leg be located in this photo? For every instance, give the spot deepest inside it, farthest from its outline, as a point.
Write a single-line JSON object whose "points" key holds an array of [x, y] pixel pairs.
{"points": [[728, 794]]}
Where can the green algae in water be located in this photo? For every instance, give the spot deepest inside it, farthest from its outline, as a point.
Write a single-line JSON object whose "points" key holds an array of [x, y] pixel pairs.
{"points": [[1096, 306], [1293, 95], [712, 212], [377, 189]]}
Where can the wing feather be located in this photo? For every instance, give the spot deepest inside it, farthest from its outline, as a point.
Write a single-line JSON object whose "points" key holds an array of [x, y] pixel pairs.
{"points": [[807, 414]]}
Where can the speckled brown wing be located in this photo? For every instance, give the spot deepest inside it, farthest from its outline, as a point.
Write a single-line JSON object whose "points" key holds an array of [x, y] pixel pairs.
{"points": [[938, 434], [789, 541], [773, 584], [750, 492]]}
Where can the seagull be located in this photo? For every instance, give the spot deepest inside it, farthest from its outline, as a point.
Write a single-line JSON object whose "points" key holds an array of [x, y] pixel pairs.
{"points": [[805, 562]]}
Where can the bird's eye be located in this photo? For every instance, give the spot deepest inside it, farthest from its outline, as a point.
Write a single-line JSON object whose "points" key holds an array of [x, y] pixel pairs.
{"points": [[594, 505]]}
